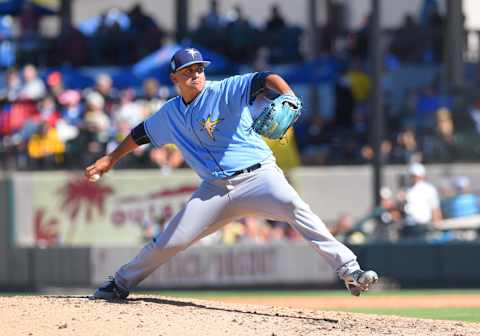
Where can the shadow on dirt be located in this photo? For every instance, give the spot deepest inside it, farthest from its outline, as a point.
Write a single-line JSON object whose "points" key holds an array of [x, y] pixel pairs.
{"points": [[201, 306], [195, 305]]}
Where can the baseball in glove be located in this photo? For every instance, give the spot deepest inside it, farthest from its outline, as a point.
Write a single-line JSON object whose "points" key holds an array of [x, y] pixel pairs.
{"points": [[277, 117]]}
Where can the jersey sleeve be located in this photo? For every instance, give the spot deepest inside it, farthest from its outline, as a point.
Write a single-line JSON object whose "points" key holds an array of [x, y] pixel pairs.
{"points": [[237, 89], [157, 127]]}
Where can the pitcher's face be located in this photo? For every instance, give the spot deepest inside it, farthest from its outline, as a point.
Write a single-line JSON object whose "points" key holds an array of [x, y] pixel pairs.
{"points": [[190, 79]]}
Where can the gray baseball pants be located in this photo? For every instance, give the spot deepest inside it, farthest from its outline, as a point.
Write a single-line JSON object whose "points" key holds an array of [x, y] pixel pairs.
{"points": [[265, 193]]}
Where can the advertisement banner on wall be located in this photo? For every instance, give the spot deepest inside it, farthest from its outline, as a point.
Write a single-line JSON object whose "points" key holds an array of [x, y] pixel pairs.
{"points": [[218, 266], [121, 209]]}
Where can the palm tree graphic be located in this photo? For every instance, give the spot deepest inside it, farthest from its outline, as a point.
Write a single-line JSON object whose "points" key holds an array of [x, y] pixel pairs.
{"points": [[80, 193]]}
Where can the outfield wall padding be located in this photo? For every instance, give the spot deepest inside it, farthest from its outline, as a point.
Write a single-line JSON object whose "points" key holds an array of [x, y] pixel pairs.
{"points": [[60, 266]]}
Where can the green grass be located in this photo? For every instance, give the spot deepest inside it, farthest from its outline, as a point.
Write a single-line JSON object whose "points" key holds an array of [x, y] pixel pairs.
{"points": [[459, 314], [310, 293]]}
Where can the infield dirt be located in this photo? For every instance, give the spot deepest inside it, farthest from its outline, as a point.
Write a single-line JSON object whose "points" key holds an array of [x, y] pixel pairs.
{"points": [[155, 316]]}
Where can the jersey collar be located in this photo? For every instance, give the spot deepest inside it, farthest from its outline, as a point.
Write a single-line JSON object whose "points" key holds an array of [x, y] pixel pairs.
{"points": [[195, 100]]}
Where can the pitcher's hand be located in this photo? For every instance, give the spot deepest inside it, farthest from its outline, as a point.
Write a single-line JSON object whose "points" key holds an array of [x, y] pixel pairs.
{"points": [[100, 167]]}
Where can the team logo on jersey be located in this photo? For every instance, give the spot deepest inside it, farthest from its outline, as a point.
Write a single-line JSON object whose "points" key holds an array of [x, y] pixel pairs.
{"points": [[209, 126]]}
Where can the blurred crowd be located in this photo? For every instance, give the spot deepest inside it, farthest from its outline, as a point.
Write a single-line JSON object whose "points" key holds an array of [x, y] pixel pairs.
{"points": [[234, 36], [115, 37], [45, 125]]}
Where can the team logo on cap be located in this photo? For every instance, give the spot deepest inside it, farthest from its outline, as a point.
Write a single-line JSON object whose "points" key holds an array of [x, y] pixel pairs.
{"points": [[172, 65], [192, 52]]}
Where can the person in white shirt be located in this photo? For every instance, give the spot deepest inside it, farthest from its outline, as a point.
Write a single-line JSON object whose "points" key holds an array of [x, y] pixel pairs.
{"points": [[33, 88], [422, 203]]}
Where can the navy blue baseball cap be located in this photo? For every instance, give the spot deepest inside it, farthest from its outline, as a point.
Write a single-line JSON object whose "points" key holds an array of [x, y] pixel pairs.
{"points": [[186, 57]]}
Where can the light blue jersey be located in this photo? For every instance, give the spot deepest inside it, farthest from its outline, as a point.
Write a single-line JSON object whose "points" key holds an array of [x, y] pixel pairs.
{"points": [[214, 131]]}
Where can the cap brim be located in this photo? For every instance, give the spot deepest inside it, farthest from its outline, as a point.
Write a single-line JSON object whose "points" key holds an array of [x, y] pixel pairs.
{"points": [[205, 64]]}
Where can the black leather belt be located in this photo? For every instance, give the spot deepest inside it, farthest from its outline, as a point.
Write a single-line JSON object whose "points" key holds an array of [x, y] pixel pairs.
{"points": [[248, 169]]}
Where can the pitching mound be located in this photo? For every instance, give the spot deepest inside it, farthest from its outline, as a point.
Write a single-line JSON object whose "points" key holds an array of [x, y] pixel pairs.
{"points": [[153, 315]]}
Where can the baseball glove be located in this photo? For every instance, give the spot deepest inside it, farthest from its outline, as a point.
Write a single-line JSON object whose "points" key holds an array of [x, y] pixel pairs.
{"points": [[277, 117]]}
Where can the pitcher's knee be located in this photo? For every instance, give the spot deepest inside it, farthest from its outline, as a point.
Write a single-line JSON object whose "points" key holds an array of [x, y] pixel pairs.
{"points": [[294, 207]]}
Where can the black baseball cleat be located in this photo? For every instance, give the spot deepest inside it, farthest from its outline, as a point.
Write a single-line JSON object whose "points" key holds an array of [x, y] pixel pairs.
{"points": [[110, 291], [360, 281]]}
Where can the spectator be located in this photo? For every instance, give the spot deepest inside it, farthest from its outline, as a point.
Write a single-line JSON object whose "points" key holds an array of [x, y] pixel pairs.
{"points": [[55, 85], [33, 87], [255, 231], [441, 146], [48, 111], [464, 203], [167, 158], [387, 219], [405, 42], [232, 232], [428, 102], [242, 38], [213, 20], [29, 19], [359, 40], [45, 149], [406, 149], [13, 85], [281, 40], [104, 86], [96, 120], [153, 97], [29, 43], [344, 104], [71, 47], [112, 37], [211, 31], [421, 203], [140, 22], [8, 93], [69, 126], [368, 154], [329, 34], [342, 228], [314, 140], [145, 34], [96, 131], [129, 110], [276, 21], [71, 108]]}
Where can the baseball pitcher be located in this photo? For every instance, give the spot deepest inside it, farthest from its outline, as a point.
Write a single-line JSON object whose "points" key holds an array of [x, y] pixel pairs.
{"points": [[213, 124]]}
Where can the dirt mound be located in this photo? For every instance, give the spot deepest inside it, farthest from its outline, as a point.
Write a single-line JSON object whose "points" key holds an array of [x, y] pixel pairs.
{"points": [[154, 315]]}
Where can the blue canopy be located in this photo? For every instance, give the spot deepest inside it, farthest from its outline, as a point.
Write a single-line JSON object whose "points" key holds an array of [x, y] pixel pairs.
{"points": [[89, 26], [157, 64]]}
